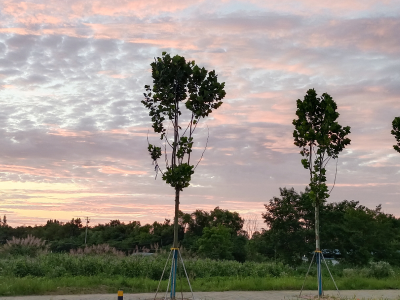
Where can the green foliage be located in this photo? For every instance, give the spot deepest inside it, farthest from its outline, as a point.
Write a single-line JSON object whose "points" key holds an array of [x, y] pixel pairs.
{"points": [[12, 286], [200, 219], [216, 243], [380, 269], [290, 224], [102, 249], [155, 152], [369, 235], [177, 81], [352, 233], [102, 284], [396, 132], [136, 266], [318, 133], [179, 176]]}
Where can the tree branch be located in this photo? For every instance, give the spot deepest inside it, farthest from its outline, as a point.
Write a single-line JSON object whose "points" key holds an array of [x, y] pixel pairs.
{"points": [[166, 137], [189, 125], [208, 135], [334, 182]]}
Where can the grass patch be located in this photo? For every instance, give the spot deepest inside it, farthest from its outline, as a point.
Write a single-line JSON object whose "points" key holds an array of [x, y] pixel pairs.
{"points": [[14, 286]]}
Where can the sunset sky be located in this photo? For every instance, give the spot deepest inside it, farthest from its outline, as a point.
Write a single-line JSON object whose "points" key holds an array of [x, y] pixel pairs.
{"points": [[73, 130]]}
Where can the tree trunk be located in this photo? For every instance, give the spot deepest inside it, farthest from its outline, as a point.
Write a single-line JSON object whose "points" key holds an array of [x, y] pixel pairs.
{"points": [[317, 241], [318, 251], [177, 190], [175, 246]]}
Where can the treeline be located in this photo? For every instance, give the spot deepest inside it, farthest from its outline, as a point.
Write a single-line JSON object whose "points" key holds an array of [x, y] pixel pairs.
{"points": [[350, 232]]}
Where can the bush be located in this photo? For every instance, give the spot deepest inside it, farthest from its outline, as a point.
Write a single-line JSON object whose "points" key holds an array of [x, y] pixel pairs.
{"points": [[380, 269], [29, 246]]}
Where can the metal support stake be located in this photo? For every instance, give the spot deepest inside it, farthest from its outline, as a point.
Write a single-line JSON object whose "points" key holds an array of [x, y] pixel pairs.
{"points": [[187, 277], [173, 272], [309, 267], [176, 255], [330, 274], [162, 275], [319, 274]]}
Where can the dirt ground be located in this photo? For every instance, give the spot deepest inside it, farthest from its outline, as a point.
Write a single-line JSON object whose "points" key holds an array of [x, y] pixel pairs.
{"points": [[231, 295]]}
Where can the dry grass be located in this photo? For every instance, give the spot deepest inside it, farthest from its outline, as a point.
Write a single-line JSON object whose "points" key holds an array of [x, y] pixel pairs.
{"points": [[31, 246]]}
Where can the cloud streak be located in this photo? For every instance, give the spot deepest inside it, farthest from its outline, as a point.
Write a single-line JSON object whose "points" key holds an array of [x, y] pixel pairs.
{"points": [[72, 77]]}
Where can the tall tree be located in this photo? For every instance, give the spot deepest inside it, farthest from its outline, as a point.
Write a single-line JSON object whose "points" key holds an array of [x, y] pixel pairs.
{"points": [[176, 82], [289, 222], [320, 138], [396, 132]]}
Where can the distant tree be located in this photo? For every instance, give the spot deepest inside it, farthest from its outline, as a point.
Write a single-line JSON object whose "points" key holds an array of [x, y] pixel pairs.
{"points": [[289, 220], [251, 224], [216, 243], [201, 219], [114, 223], [226, 218], [371, 235], [74, 226], [318, 133], [176, 82], [396, 132]]}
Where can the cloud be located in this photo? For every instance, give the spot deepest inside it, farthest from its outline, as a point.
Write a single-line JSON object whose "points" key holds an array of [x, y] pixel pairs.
{"points": [[72, 77]]}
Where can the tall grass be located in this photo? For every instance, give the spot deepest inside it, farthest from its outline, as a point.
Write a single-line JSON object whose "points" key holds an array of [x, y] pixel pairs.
{"points": [[137, 266], [102, 269], [104, 284], [59, 265]]}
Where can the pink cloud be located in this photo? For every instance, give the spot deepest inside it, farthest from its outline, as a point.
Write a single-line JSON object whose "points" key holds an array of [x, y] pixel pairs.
{"points": [[30, 171], [114, 170], [56, 12], [309, 7]]}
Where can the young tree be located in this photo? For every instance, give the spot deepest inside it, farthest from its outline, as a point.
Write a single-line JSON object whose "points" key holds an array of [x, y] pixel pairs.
{"points": [[320, 138], [396, 133], [178, 83]]}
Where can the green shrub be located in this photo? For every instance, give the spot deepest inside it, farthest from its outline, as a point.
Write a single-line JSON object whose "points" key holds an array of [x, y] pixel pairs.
{"points": [[380, 269]]}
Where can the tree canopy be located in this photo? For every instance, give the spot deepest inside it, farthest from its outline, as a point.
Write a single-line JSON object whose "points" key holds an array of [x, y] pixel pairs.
{"points": [[177, 81], [318, 134], [352, 233], [396, 132]]}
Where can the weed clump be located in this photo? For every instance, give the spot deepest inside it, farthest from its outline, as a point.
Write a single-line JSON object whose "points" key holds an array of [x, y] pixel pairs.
{"points": [[30, 246]]}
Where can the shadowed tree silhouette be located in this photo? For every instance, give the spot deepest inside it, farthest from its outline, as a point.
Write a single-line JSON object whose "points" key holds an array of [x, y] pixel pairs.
{"points": [[396, 132]]}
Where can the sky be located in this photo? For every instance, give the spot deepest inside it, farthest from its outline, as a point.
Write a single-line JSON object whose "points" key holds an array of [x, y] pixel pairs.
{"points": [[73, 130]]}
